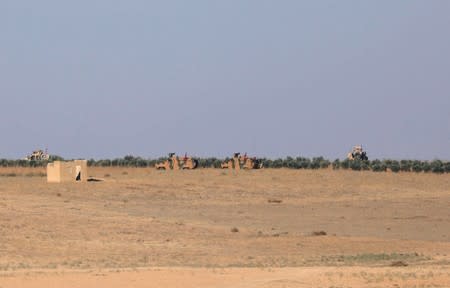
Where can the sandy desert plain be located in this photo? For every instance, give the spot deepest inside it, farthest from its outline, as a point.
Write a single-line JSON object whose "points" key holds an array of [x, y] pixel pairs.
{"points": [[214, 228]]}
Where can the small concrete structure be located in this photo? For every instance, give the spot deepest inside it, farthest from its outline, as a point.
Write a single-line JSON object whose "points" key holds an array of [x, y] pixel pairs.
{"points": [[67, 171]]}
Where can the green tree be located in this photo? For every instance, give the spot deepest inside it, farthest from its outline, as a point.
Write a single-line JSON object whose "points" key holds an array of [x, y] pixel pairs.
{"points": [[437, 166], [377, 166], [336, 164], [394, 166]]}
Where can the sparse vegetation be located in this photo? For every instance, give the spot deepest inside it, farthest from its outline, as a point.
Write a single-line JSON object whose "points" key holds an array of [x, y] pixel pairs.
{"points": [[377, 165], [393, 259], [149, 219], [10, 174], [277, 201], [319, 233]]}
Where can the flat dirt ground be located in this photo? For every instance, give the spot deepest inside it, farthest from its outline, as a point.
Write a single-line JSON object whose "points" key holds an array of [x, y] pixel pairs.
{"points": [[213, 228]]}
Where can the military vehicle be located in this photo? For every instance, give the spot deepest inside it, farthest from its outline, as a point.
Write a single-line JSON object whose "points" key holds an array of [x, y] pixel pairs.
{"points": [[357, 154], [174, 163], [241, 162], [233, 163], [38, 155]]}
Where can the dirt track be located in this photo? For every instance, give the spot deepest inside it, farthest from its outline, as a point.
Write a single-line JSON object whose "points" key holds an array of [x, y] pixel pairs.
{"points": [[238, 277], [144, 218]]}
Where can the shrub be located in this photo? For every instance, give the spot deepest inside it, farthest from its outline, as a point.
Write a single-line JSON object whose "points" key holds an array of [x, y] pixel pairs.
{"points": [[277, 163], [426, 167], [405, 165], [394, 166], [324, 164], [417, 166], [289, 162], [447, 167], [365, 165], [315, 163], [378, 166], [267, 163], [55, 158], [336, 164], [356, 165], [345, 164], [303, 163], [437, 166]]}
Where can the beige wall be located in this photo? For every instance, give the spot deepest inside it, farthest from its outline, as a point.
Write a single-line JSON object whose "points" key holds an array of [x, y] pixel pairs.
{"points": [[66, 171], [53, 171]]}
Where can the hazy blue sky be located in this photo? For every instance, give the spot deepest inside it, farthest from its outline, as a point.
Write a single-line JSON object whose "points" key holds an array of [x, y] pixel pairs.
{"points": [[270, 78]]}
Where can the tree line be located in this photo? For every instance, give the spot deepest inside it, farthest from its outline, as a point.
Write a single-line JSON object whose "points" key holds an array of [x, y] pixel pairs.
{"points": [[434, 166]]}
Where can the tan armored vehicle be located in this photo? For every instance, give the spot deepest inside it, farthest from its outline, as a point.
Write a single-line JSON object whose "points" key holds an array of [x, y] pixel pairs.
{"points": [[357, 153], [175, 163], [241, 162], [38, 155], [233, 163], [252, 163]]}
